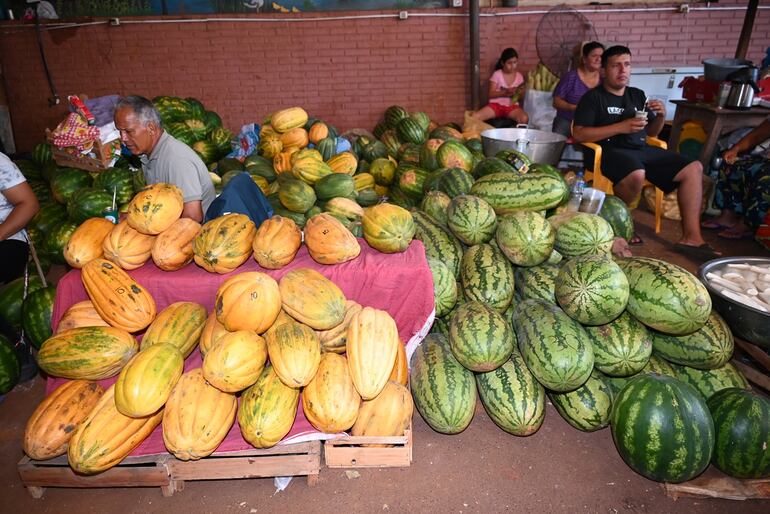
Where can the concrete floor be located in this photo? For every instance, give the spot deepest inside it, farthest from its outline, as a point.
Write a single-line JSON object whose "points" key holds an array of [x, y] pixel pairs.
{"points": [[558, 469]]}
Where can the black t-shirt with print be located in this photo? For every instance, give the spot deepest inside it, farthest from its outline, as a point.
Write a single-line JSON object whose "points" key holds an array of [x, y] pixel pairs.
{"points": [[599, 107]]}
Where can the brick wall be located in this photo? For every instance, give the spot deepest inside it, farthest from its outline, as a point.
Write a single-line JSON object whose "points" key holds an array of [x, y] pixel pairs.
{"points": [[343, 71]]}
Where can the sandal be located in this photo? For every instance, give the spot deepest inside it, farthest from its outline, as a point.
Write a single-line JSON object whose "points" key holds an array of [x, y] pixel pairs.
{"points": [[714, 225], [703, 252], [635, 240], [732, 233]]}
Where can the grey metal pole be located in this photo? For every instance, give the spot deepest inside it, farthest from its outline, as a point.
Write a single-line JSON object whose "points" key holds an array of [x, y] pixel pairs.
{"points": [[475, 53]]}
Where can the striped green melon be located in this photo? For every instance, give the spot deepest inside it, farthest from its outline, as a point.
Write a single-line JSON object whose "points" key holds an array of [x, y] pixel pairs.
{"points": [[435, 204], [480, 338], [67, 181], [742, 426], [441, 326], [618, 215], [296, 195], [525, 237], [454, 181], [512, 397], [471, 219], [453, 154], [659, 365], [10, 368], [584, 234], [444, 391], [508, 192], [444, 287], [394, 114], [662, 428], [36, 314], [709, 381], [588, 407], [487, 276], [411, 180], [554, 346], [537, 282], [12, 298], [409, 131], [592, 289], [491, 165], [428, 151], [622, 347], [439, 243], [711, 346], [664, 296]]}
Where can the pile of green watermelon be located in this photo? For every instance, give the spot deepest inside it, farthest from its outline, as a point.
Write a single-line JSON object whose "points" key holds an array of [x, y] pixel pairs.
{"points": [[531, 304], [188, 120]]}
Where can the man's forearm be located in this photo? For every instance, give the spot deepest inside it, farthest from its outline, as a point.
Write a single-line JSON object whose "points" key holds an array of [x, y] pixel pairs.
{"points": [[753, 138]]}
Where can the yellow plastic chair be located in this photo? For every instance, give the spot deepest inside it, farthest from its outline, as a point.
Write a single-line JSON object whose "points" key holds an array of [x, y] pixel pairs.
{"points": [[602, 183]]}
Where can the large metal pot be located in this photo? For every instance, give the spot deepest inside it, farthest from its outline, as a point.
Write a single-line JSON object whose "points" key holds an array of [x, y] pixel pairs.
{"points": [[747, 322], [717, 70], [539, 145]]}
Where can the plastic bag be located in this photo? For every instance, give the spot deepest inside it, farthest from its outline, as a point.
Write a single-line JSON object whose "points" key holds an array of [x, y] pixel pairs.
{"points": [[539, 106], [472, 128], [246, 142]]}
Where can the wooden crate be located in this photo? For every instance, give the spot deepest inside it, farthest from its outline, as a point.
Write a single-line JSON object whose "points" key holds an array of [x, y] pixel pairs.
{"points": [[99, 162], [351, 452], [721, 486], [170, 474]]}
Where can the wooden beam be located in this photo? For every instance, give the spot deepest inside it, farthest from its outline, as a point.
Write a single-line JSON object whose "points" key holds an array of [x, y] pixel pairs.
{"points": [[753, 376], [755, 352], [748, 25]]}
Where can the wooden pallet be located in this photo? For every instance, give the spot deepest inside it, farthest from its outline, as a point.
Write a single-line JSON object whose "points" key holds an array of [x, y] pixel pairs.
{"points": [[170, 474], [720, 487], [353, 452]]}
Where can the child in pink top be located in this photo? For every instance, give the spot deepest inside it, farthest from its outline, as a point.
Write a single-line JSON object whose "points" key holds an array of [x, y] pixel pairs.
{"points": [[505, 85]]}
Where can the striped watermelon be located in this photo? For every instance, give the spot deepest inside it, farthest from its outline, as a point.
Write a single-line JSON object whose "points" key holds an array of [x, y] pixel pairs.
{"points": [[428, 151], [120, 180], [435, 204], [491, 165], [519, 161], [584, 234], [709, 381], [508, 192], [49, 215], [617, 214], [409, 131], [659, 365], [588, 407], [471, 219], [592, 289], [453, 154], [512, 397], [36, 314], [554, 346], [67, 181], [11, 299], [10, 367], [57, 238], [711, 346], [554, 258], [537, 282], [88, 203], [480, 338], [454, 181], [439, 243], [444, 287], [441, 326], [394, 114], [622, 347], [42, 154], [664, 296], [742, 426], [444, 391], [525, 237], [487, 276], [662, 428], [411, 180]]}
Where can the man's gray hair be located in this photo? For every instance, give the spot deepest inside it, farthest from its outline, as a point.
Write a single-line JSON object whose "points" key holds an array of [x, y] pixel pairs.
{"points": [[142, 108]]}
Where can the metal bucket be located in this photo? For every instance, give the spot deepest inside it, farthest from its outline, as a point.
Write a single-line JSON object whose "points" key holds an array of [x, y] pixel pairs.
{"points": [[539, 145]]}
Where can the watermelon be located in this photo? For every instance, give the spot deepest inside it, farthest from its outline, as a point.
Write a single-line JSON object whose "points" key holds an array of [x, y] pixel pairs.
{"points": [[487, 276], [444, 391], [711, 346], [57, 239], [212, 120], [67, 181], [742, 427], [435, 204], [709, 381], [471, 219], [196, 109], [512, 397], [480, 338], [444, 287], [491, 165], [410, 131], [662, 428], [664, 296], [454, 181], [446, 132], [397, 197], [588, 407], [583, 234], [453, 154], [41, 190], [120, 180], [383, 170], [441, 326], [592, 289], [519, 161], [36, 314], [525, 237], [11, 299], [428, 152], [88, 203], [537, 282], [411, 180], [508, 192], [422, 119], [49, 215], [29, 169], [618, 215], [659, 365], [409, 153], [622, 347], [206, 150], [42, 154], [222, 139], [554, 346], [394, 114], [439, 243], [374, 150], [10, 367]]}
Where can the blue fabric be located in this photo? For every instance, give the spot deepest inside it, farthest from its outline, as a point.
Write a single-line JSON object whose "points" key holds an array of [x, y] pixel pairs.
{"points": [[241, 195]]}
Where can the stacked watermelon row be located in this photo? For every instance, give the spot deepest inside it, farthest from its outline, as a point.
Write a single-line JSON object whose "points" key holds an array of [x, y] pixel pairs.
{"points": [[529, 307]]}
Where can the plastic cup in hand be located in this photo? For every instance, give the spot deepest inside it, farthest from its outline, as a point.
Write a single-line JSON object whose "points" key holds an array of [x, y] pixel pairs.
{"points": [[641, 115]]}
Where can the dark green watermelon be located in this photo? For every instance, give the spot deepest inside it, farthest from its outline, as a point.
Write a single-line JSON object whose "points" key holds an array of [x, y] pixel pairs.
{"points": [[57, 239], [618, 215], [88, 203], [49, 215], [29, 169], [11, 299], [41, 190], [10, 367], [121, 180], [67, 181], [36, 315]]}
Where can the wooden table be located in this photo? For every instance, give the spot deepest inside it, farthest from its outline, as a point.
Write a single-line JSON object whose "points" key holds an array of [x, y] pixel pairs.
{"points": [[714, 120]]}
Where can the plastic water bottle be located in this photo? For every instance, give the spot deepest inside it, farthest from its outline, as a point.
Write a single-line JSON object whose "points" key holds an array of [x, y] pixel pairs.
{"points": [[576, 193]]}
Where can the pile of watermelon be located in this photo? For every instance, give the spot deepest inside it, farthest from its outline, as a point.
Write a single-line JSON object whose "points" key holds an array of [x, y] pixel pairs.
{"points": [[531, 304]]}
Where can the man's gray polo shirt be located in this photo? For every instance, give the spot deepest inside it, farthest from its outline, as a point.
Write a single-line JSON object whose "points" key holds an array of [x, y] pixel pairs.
{"points": [[174, 162]]}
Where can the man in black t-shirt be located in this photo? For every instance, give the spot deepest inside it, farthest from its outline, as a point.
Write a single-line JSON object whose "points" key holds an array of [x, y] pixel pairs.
{"points": [[607, 115]]}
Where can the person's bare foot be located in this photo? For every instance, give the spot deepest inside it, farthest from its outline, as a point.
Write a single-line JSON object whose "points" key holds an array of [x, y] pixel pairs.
{"points": [[620, 248]]}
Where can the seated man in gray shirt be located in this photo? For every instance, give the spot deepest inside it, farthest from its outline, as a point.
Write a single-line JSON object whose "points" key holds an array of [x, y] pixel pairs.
{"points": [[164, 158]]}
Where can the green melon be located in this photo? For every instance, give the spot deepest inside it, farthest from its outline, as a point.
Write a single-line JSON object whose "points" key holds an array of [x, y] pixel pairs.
{"points": [[487, 276], [383, 170], [471, 219], [444, 287], [525, 237], [618, 215], [436, 204], [296, 195], [508, 192], [592, 289], [67, 181], [491, 165], [588, 407], [453, 154], [57, 239], [480, 338], [12, 297], [10, 367], [709, 381], [711, 346], [36, 315], [88, 203], [622, 347], [454, 181], [584, 234], [118, 179], [537, 282], [439, 243]]}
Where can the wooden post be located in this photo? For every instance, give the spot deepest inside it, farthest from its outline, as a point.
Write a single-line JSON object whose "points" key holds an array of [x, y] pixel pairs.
{"points": [[748, 25]]}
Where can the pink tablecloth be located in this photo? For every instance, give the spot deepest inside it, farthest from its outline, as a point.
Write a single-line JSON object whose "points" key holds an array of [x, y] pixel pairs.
{"points": [[398, 283]]}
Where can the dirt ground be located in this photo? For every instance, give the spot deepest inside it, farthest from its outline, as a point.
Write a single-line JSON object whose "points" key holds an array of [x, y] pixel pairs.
{"points": [[484, 469]]}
